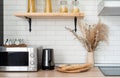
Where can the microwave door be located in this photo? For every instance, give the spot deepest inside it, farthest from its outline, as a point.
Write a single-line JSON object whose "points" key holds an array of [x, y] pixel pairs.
{"points": [[14, 61]]}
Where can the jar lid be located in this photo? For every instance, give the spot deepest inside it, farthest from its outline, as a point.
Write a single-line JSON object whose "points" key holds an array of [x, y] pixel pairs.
{"points": [[63, 2], [75, 2]]}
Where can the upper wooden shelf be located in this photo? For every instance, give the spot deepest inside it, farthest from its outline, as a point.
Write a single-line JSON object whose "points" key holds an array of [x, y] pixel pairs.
{"points": [[34, 15], [29, 16]]}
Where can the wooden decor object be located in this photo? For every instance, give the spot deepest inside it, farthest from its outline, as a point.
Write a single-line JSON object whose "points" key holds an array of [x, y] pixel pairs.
{"points": [[75, 68]]}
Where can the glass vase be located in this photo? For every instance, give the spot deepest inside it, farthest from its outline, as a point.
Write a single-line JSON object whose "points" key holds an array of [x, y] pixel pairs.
{"points": [[75, 8], [63, 6]]}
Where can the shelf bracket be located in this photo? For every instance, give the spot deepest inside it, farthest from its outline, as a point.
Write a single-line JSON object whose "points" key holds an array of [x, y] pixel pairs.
{"points": [[75, 22], [29, 21]]}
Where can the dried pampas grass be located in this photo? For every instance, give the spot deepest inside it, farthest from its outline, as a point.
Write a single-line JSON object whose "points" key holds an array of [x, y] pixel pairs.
{"points": [[91, 35]]}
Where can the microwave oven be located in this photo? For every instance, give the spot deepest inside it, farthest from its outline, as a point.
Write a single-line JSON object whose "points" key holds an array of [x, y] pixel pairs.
{"points": [[18, 59]]}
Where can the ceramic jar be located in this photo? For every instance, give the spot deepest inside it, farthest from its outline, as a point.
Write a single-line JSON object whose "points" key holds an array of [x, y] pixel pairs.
{"points": [[31, 6], [48, 6]]}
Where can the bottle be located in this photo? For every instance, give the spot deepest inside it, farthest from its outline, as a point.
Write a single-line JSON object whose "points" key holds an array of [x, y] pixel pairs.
{"points": [[31, 6], [48, 6], [63, 7], [75, 8]]}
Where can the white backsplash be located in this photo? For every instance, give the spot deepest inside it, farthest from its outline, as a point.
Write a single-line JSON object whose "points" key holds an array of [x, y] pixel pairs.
{"points": [[51, 33]]}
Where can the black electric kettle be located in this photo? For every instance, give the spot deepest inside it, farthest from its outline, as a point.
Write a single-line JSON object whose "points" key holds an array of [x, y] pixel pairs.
{"points": [[48, 59]]}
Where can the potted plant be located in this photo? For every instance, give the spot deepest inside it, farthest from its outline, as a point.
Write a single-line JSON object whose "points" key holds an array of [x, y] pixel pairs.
{"points": [[91, 36]]}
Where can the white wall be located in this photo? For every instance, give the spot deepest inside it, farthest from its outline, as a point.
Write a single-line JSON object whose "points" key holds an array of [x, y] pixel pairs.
{"points": [[51, 33]]}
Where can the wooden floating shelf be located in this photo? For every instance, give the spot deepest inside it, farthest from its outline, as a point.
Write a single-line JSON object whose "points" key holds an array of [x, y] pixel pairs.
{"points": [[34, 15], [29, 16]]}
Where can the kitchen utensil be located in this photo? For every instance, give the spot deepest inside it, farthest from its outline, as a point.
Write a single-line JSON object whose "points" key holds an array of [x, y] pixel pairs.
{"points": [[48, 59]]}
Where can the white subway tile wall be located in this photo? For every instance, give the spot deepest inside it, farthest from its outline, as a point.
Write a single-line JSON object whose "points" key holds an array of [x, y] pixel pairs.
{"points": [[51, 33]]}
